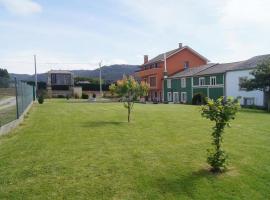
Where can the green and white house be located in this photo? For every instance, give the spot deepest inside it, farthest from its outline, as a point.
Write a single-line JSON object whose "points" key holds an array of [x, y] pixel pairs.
{"points": [[213, 80]]}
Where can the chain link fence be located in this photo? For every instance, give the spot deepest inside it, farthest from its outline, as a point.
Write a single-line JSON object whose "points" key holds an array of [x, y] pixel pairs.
{"points": [[15, 97]]}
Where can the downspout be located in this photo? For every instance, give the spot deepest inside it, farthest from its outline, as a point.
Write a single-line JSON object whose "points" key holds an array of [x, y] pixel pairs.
{"points": [[165, 75]]}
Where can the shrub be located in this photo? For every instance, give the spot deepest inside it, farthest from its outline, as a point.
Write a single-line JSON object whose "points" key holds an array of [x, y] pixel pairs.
{"points": [[94, 95], [76, 96], [60, 96], [40, 99], [199, 99], [85, 96]]}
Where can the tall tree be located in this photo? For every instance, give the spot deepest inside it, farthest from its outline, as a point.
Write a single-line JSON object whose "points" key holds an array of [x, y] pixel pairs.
{"points": [[129, 90], [4, 78], [260, 81]]}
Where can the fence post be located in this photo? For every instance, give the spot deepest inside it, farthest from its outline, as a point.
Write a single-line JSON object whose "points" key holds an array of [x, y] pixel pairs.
{"points": [[16, 92]]}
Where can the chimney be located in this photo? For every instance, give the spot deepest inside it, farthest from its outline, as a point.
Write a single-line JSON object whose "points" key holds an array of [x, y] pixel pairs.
{"points": [[180, 45], [145, 59]]}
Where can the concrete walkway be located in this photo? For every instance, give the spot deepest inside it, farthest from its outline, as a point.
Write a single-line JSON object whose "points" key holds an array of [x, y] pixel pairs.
{"points": [[8, 102]]}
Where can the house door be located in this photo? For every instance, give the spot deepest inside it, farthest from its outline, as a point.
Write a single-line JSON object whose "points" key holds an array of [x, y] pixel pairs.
{"points": [[175, 97], [183, 97]]}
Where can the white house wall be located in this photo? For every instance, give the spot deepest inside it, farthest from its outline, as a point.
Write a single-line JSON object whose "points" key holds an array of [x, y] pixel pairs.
{"points": [[233, 89]]}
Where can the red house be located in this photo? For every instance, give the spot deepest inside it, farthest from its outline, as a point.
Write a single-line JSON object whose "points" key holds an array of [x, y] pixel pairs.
{"points": [[152, 71]]}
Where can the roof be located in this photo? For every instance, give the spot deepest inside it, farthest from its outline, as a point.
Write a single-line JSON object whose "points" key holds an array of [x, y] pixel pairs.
{"points": [[59, 72], [213, 68], [241, 65], [192, 71], [160, 57]]}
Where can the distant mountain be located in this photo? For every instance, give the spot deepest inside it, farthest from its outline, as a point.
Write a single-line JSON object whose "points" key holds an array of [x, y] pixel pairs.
{"points": [[109, 73]]}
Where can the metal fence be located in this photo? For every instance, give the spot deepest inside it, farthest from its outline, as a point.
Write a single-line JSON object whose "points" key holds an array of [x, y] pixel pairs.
{"points": [[15, 97]]}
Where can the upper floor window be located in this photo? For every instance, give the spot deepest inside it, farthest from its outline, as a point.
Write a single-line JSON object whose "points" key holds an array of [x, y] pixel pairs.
{"points": [[153, 81], [156, 65], [169, 83], [213, 80], [183, 82], [201, 81], [186, 65]]}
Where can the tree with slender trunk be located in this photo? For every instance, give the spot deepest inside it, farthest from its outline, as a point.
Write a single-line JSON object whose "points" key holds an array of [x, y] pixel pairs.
{"points": [[129, 90], [221, 111], [260, 81]]}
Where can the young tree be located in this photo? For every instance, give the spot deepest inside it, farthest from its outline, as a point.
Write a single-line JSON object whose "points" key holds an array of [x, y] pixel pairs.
{"points": [[112, 89], [221, 111], [129, 90], [261, 80]]}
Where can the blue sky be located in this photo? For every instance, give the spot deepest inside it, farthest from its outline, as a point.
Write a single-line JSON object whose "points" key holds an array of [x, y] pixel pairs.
{"points": [[76, 34]]}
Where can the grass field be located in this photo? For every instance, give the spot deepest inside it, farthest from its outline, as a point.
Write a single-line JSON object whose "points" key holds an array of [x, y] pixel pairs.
{"points": [[88, 151]]}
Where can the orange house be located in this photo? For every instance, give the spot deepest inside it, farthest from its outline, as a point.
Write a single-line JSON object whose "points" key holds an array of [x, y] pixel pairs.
{"points": [[169, 63]]}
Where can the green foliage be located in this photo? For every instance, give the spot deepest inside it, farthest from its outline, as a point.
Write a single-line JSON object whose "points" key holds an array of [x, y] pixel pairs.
{"points": [[85, 79], [198, 99], [221, 111], [260, 80], [41, 99], [4, 78], [129, 90], [85, 96]]}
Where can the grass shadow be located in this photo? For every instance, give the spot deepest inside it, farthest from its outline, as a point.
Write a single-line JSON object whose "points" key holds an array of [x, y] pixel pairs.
{"points": [[185, 185], [102, 123], [258, 111]]}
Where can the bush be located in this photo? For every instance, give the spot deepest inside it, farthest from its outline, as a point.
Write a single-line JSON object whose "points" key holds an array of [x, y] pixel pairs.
{"points": [[76, 96], [94, 95], [199, 99], [60, 96], [41, 99], [85, 96]]}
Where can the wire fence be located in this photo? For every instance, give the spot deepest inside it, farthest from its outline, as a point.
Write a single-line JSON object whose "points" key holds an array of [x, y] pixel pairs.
{"points": [[15, 97]]}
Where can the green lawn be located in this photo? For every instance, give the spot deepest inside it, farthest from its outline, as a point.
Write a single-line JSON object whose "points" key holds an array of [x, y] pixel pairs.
{"points": [[88, 151]]}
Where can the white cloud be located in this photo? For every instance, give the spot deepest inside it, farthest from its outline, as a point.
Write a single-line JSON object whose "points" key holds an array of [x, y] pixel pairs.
{"points": [[21, 7]]}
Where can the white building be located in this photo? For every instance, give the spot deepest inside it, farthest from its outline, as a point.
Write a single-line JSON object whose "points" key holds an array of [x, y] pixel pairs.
{"points": [[233, 79], [236, 74]]}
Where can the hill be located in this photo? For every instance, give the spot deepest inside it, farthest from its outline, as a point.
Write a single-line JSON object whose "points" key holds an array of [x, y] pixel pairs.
{"points": [[109, 73]]}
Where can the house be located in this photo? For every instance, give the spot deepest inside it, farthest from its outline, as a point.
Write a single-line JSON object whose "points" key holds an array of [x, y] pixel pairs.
{"points": [[168, 63], [213, 81], [60, 83]]}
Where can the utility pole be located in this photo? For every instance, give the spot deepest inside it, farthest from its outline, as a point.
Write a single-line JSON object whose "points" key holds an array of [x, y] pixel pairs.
{"points": [[100, 81], [36, 85]]}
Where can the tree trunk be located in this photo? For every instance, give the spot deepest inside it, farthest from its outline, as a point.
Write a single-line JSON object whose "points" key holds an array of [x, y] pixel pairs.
{"points": [[267, 100], [129, 111]]}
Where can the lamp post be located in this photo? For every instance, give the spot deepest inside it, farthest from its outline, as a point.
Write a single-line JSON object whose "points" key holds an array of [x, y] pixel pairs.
{"points": [[100, 81], [36, 86]]}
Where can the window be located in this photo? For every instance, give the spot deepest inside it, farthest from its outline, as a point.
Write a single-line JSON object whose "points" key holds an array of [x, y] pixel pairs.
{"points": [[183, 97], [169, 83], [169, 96], [201, 81], [241, 80], [249, 101], [183, 82], [156, 65], [152, 81], [213, 80], [186, 65]]}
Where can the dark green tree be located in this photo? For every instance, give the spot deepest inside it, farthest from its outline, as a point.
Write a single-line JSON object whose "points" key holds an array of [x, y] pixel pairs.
{"points": [[260, 81], [4, 78], [221, 111]]}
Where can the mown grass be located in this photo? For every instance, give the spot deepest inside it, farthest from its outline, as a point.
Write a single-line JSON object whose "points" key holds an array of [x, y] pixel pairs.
{"points": [[88, 151]]}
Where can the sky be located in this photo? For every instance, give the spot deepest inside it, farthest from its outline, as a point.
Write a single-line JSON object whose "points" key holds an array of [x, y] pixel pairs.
{"points": [[77, 34]]}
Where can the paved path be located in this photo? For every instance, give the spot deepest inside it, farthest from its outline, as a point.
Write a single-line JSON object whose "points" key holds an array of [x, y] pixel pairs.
{"points": [[8, 102]]}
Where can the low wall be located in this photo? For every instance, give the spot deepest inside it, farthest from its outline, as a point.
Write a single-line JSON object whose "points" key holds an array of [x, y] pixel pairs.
{"points": [[12, 125]]}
